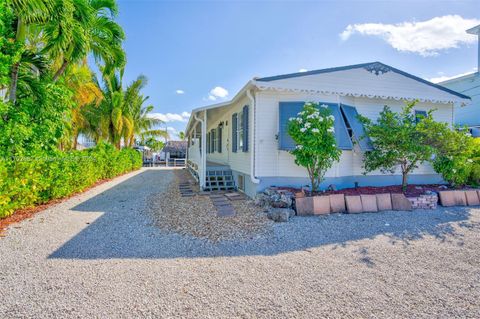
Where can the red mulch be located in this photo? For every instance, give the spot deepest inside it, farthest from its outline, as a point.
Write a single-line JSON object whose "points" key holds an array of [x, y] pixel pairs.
{"points": [[412, 190], [27, 213]]}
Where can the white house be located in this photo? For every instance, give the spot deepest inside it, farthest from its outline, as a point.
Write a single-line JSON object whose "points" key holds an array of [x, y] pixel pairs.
{"points": [[470, 85], [243, 143]]}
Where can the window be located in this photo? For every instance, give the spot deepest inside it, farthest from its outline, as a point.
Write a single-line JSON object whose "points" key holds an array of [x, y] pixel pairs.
{"points": [[240, 131], [214, 140]]}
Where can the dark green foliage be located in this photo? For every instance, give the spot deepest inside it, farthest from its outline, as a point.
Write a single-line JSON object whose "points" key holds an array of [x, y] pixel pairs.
{"points": [[40, 177]]}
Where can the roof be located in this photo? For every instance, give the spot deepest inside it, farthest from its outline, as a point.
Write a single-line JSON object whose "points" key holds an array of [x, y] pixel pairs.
{"points": [[175, 146], [381, 67], [374, 67], [474, 30], [460, 78]]}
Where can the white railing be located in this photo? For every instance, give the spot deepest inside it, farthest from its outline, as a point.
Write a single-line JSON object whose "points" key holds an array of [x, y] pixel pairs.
{"points": [[172, 162]]}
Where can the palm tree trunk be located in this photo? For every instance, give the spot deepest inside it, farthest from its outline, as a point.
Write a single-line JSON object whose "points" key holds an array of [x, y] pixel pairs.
{"points": [[75, 140], [12, 97], [60, 71], [20, 37]]}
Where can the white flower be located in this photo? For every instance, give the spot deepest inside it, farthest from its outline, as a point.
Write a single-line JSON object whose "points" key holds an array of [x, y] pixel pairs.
{"points": [[331, 130], [324, 106], [303, 129], [292, 119], [331, 117], [315, 130], [470, 160], [454, 170], [307, 125], [299, 147], [468, 134], [320, 119]]}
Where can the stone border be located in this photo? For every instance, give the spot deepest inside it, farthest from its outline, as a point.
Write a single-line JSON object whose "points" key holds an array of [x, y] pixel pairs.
{"points": [[469, 197], [365, 203]]}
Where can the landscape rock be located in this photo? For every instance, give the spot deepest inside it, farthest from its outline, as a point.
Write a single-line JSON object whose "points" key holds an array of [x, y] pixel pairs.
{"points": [[280, 215], [304, 206], [384, 202], [369, 203], [337, 203], [354, 204], [472, 198], [447, 198], [321, 205], [400, 202]]}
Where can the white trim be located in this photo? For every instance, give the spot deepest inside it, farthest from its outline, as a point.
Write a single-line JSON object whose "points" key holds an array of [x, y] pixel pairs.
{"points": [[264, 86], [252, 127]]}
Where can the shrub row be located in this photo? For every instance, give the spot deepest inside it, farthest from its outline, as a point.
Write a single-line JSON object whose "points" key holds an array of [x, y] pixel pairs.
{"points": [[28, 181]]}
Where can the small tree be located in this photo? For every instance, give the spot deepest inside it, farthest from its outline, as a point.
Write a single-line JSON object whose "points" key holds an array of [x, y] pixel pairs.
{"points": [[314, 136], [398, 141]]}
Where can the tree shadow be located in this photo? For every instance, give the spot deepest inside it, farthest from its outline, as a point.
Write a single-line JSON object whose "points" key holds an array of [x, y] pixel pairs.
{"points": [[125, 230]]}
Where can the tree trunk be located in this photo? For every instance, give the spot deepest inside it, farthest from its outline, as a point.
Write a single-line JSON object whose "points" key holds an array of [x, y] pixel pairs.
{"points": [[404, 181], [60, 71], [75, 140], [12, 97]]}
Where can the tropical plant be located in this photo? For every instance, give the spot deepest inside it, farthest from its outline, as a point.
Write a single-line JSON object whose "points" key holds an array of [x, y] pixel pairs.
{"points": [[398, 141], [181, 135], [314, 135]]}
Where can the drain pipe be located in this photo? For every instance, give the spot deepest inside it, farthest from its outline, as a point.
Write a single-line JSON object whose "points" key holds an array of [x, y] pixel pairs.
{"points": [[203, 158], [253, 178]]}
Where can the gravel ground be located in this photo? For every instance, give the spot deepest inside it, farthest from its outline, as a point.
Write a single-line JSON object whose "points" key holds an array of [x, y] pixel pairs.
{"points": [[196, 216], [99, 255]]}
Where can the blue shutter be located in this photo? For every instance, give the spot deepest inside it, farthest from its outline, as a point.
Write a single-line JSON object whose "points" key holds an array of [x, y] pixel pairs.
{"points": [[234, 132], [219, 138], [351, 115], [341, 134], [245, 128], [208, 142], [287, 110], [291, 109], [419, 115]]}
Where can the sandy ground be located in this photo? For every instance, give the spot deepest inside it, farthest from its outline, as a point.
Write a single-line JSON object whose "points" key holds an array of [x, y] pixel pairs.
{"points": [[100, 255]]}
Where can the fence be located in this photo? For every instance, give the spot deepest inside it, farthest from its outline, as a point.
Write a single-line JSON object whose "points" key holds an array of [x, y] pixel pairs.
{"points": [[172, 162]]}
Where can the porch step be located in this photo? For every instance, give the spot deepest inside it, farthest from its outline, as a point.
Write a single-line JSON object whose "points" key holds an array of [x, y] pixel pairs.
{"points": [[219, 180]]}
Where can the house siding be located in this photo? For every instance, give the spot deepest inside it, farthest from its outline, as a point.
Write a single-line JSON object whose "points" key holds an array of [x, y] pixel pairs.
{"points": [[272, 162], [239, 160]]}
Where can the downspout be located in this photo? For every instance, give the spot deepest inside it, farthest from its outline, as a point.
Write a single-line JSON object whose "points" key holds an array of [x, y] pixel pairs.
{"points": [[253, 178], [202, 149]]}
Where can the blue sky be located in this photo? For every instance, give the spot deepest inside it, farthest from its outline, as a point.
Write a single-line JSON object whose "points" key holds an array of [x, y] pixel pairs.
{"points": [[187, 49]]}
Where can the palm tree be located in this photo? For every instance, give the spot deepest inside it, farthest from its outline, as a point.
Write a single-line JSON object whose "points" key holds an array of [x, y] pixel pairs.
{"points": [[27, 13], [91, 29], [80, 80], [181, 135]]}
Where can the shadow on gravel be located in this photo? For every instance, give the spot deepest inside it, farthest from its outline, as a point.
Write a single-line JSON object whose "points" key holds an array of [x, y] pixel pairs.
{"points": [[126, 231]]}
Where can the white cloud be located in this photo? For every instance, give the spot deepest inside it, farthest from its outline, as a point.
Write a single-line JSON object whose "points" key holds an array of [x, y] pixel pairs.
{"points": [[180, 91], [217, 92], [171, 117], [426, 38], [443, 78], [302, 70]]}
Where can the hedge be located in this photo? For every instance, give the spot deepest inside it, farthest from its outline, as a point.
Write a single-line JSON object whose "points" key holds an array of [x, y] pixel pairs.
{"points": [[26, 182]]}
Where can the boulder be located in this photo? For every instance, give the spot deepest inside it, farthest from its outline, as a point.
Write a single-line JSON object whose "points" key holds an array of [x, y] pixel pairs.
{"points": [[369, 203], [472, 198], [304, 206], [321, 205], [354, 204], [279, 215], [384, 202], [400, 202], [337, 203]]}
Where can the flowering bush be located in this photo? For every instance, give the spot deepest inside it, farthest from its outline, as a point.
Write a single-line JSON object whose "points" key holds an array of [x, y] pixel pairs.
{"points": [[314, 135]]}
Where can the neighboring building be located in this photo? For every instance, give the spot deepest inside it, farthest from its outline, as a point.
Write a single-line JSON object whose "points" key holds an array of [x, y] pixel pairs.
{"points": [[84, 142], [469, 84], [174, 150], [246, 139]]}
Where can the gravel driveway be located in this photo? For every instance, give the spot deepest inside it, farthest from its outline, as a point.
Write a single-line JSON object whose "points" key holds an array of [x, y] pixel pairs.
{"points": [[99, 255]]}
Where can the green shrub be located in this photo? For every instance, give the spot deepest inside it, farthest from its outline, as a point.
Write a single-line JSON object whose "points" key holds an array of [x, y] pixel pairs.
{"points": [[25, 182]]}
